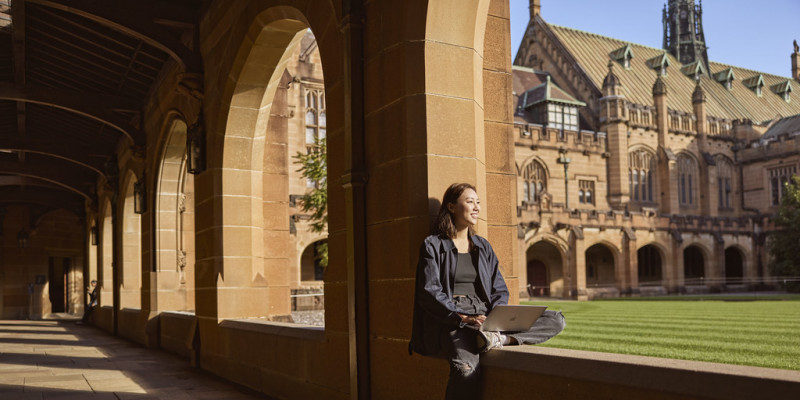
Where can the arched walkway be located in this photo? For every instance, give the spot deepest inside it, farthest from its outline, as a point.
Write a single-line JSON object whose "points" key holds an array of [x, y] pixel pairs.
{"points": [[693, 265], [106, 271], [600, 266], [310, 267], [544, 266], [130, 274], [734, 266], [649, 265], [174, 208]]}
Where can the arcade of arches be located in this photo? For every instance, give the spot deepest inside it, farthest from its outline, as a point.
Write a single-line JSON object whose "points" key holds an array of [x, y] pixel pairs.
{"points": [[151, 152]]}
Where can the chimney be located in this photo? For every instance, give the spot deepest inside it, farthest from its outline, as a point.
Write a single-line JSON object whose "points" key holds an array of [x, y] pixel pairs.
{"points": [[796, 62], [536, 8]]}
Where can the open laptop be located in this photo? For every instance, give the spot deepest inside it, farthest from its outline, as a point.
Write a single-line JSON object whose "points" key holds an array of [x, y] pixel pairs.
{"points": [[512, 318]]}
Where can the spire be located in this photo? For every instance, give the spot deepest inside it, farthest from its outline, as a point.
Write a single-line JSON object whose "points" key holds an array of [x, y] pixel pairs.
{"points": [[611, 84], [535, 7], [683, 31], [699, 96], [659, 87]]}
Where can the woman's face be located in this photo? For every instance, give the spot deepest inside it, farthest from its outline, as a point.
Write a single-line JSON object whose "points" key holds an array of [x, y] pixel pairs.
{"points": [[466, 209]]}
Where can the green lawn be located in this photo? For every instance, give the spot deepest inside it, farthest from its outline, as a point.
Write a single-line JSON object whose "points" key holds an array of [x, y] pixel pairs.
{"points": [[733, 330]]}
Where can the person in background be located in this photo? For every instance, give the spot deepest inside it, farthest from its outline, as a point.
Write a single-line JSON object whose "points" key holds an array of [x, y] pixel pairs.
{"points": [[91, 294], [458, 283]]}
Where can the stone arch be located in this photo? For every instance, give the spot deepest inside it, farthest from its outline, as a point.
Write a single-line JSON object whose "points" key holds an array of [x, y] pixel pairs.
{"points": [[106, 258], [310, 269], [735, 261], [544, 268], [695, 259], [651, 264], [642, 174], [601, 260], [688, 180], [130, 270], [534, 177], [252, 224], [726, 184], [174, 221]]}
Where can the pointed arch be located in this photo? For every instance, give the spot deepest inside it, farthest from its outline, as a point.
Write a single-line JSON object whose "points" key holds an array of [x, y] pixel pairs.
{"points": [[642, 176]]}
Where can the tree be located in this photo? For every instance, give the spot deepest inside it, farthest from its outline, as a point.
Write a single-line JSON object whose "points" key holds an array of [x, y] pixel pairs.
{"points": [[783, 244], [314, 167]]}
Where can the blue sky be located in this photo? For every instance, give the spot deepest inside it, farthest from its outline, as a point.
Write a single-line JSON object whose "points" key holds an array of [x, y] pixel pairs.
{"points": [[745, 33]]}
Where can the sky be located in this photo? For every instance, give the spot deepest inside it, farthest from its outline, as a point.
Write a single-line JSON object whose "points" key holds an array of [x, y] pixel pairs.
{"points": [[737, 32]]}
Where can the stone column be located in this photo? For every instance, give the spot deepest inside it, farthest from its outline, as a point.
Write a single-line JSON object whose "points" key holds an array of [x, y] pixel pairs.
{"points": [[577, 267], [667, 168], [614, 121]]}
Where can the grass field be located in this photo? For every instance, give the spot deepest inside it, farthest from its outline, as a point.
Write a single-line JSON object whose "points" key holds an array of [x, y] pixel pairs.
{"points": [[735, 330]]}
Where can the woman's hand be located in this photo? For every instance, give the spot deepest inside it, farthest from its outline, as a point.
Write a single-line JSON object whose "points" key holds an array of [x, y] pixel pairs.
{"points": [[476, 320]]}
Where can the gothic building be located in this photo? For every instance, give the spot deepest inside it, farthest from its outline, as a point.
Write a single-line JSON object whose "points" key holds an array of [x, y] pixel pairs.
{"points": [[643, 170]]}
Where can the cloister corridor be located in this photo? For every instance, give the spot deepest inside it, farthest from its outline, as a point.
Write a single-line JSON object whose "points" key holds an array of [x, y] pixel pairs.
{"points": [[63, 360]]}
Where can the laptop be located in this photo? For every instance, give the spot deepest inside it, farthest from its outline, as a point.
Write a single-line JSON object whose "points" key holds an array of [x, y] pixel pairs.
{"points": [[512, 318]]}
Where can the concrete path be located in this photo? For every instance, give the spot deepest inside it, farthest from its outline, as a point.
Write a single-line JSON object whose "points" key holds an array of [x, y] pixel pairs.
{"points": [[62, 360]]}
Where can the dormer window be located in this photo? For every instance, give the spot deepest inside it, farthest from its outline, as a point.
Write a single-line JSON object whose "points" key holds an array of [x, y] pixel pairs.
{"points": [[623, 55], [755, 83], [659, 64], [725, 77], [783, 89], [694, 69]]}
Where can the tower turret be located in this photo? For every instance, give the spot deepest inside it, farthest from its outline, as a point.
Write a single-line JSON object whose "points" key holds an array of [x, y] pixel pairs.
{"points": [[683, 31]]}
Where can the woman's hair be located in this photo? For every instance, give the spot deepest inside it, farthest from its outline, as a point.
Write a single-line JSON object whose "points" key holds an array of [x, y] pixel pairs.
{"points": [[444, 224]]}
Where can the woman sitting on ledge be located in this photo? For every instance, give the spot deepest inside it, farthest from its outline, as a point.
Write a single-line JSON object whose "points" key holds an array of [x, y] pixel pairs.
{"points": [[458, 284]]}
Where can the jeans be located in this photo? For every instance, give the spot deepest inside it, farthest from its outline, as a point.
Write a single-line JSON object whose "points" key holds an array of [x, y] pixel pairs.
{"points": [[460, 346]]}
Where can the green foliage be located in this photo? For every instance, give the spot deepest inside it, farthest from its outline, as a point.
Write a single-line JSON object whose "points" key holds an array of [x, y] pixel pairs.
{"points": [[756, 333], [314, 166], [783, 244]]}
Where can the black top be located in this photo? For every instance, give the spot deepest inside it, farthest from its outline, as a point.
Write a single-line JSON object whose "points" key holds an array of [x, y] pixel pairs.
{"points": [[466, 276]]}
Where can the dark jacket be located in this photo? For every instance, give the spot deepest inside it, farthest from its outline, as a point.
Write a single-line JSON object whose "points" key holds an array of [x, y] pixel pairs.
{"points": [[433, 306]]}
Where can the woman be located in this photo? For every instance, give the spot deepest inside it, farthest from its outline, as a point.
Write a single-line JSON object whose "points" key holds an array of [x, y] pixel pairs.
{"points": [[458, 284]]}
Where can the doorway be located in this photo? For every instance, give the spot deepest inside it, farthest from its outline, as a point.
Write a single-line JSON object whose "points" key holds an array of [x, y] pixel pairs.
{"points": [[59, 278]]}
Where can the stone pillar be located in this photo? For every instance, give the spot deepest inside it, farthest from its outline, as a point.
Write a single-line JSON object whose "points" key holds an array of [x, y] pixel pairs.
{"points": [[677, 261], [628, 275], [614, 121], [535, 8], [707, 187], [577, 267], [667, 168], [716, 267]]}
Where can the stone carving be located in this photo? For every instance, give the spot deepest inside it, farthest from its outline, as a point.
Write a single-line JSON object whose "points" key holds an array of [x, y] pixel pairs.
{"points": [[182, 265], [182, 203], [545, 201]]}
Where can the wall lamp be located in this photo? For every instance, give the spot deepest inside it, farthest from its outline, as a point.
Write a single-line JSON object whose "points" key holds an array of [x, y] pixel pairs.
{"points": [[93, 235], [196, 147], [139, 196]]}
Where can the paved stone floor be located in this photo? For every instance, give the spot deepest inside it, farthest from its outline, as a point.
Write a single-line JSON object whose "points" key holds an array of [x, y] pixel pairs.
{"points": [[62, 360]]}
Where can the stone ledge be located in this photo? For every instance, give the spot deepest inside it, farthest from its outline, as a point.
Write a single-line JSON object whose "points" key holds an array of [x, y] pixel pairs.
{"points": [[178, 314], [692, 379], [303, 332]]}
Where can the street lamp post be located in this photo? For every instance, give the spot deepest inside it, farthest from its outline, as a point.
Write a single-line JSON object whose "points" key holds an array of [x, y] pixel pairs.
{"points": [[564, 160]]}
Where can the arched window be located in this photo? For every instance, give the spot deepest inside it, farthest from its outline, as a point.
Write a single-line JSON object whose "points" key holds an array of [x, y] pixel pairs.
{"points": [[534, 182], [315, 115], [725, 182], [641, 167], [687, 179]]}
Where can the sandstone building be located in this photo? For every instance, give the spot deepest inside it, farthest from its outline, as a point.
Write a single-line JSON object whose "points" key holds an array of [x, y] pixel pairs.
{"points": [[643, 170], [147, 144]]}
